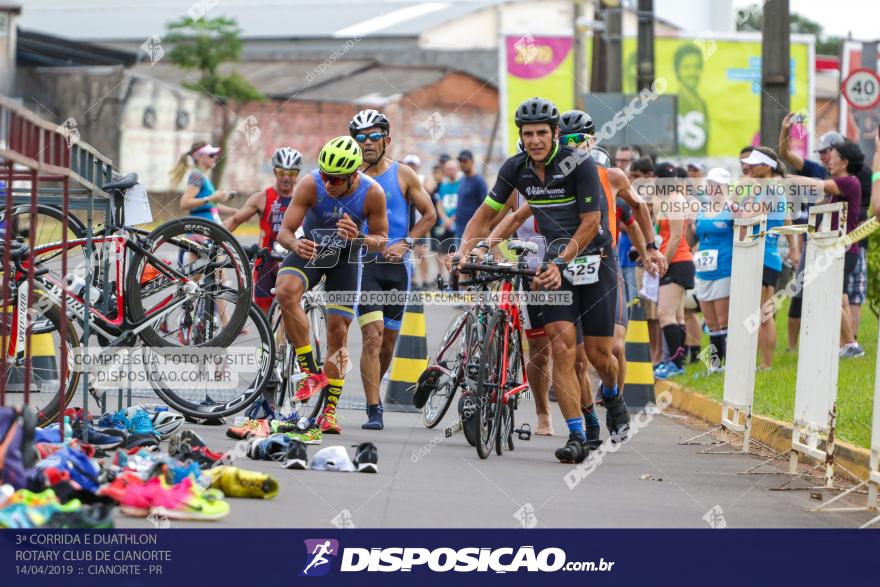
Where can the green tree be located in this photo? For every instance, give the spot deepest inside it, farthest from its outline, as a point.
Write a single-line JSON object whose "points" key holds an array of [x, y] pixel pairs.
{"points": [[203, 45], [752, 19]]}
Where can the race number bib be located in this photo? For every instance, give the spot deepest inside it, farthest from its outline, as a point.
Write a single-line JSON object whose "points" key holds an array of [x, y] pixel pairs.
{"points": [[706, 260], [583, 270]]}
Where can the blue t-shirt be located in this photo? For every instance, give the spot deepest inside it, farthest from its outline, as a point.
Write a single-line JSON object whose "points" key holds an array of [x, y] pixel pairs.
{"points": [[624, 244], [715, 234], [775, 217], [447, 195], [208, 211], [471, 192], [813, 169]]}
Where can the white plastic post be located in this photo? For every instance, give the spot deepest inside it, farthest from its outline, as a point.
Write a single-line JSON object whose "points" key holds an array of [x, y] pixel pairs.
{"points": [[743, 322], [819, 346], [874, 471]]}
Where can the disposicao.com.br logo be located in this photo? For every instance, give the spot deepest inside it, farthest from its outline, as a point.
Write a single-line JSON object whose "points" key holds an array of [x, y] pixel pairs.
{"points": [[443, 560]]}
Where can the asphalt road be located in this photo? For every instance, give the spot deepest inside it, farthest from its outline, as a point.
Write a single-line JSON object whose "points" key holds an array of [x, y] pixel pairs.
{"points": [[426, 480]]}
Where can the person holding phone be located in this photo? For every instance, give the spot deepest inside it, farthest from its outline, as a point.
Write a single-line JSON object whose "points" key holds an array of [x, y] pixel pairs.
{"points": [[200, 198]]}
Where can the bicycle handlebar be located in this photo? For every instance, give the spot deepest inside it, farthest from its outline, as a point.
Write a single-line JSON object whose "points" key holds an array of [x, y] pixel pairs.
{"points": [[18, 252]]}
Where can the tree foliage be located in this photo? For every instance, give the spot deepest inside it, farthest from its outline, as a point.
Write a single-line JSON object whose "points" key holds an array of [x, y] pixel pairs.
{"points": [[751, 19]]}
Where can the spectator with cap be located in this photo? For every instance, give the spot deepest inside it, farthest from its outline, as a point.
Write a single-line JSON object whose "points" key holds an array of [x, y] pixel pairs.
{"points": [[625, 156], [696, 170], [845, 161], [713, 231], [471, 192]]}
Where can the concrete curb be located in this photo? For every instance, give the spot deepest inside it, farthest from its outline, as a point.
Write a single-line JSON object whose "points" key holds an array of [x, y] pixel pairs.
{"points": [[774, 433]]}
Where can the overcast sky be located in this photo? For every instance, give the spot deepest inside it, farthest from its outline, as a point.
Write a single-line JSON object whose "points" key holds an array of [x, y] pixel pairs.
{"points": [[839, 17]]}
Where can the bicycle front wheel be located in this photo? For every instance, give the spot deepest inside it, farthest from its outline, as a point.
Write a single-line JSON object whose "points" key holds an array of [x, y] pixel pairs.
{"points": [[231, 379], [217, 281], [452, 356], [489, 382]]}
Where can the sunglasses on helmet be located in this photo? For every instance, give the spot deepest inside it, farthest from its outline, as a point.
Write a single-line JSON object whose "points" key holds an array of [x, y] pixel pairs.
{"points": [[335, 180], [373, 136]]}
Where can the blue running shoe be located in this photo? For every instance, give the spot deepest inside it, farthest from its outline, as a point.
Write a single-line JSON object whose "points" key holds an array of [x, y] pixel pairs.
{"points": [[109, 439], [674, 370], [661, 371]]}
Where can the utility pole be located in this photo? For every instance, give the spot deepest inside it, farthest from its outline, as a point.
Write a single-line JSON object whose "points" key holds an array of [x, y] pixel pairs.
{"points": [[775, 68], [580, 87], [597, 67], [614, 49], [646, 44]]}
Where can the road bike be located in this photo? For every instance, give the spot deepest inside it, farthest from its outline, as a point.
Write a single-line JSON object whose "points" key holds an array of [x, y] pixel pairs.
{"points": [[141, 286]]}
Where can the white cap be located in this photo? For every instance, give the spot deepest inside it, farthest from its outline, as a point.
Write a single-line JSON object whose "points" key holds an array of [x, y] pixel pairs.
{"points": [[206, 150], [412, 159], [758, 158], [332, 458], [718, 175]]}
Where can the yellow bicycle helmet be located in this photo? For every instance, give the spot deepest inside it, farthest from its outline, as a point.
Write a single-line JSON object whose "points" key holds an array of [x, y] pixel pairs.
{"points": [[341, 156]]}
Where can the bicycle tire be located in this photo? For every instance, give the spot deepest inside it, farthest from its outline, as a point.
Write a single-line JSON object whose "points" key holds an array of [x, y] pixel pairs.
{"points": [[204, 410], [461, 326], [74, 224], [487, 397], [287, 366], [505, 411], [177, 228], [49, 413]]}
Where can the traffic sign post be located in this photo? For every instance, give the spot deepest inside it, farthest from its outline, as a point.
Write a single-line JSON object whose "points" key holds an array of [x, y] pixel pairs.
{"points": [[861, 89]]}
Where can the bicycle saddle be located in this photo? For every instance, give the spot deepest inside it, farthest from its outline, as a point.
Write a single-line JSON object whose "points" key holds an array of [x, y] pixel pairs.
{"points": [[519, 247], [121, 184]]}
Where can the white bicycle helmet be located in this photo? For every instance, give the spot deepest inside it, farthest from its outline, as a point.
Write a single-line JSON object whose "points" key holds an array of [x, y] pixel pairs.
{"points": [[287, 158], [164, 421], [368, 119]]}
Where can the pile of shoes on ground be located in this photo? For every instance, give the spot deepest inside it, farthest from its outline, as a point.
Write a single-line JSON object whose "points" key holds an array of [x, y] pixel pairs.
{"points": [[285, 441], [75, 476]]}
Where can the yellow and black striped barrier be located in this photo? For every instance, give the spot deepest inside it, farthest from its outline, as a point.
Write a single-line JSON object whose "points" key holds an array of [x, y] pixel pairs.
{"points": [[409, 361], [44, 367], [639, 382]]}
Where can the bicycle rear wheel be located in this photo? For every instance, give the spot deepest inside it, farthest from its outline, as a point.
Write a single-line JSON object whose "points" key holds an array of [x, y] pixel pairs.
{"points": [[45, 381], [220, 283], [452, 356], [238, 383], [287, 368], [489, 385]]}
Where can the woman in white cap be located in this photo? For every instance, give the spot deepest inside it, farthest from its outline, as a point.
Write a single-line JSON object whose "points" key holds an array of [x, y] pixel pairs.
{"points": [[713, 231], [200, 198]]}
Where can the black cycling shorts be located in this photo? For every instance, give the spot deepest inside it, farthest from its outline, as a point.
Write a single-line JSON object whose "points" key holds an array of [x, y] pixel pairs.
{"points": [[534, 325], [769, 277], [377, 276], [680, 272], [338, 267], [592, 305]]}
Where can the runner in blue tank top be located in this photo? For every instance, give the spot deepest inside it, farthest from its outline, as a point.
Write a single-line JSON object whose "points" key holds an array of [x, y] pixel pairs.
{"points": [[335, 205], [390, 269]]}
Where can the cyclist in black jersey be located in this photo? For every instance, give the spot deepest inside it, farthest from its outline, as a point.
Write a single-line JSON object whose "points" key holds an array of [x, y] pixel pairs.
{"points": [[563, 190]]}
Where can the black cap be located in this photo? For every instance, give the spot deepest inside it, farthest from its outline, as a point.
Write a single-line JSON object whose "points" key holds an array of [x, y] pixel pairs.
{"points": [[465, 155], [443, 158], [665, 169]]}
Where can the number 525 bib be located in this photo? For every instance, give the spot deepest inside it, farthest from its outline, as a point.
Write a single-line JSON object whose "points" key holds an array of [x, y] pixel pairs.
{"points": [[583, 270]]}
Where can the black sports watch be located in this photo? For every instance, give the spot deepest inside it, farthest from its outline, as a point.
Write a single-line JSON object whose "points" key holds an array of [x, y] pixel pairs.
{"points": [[410, 241], [560, 263], [651, 245]]}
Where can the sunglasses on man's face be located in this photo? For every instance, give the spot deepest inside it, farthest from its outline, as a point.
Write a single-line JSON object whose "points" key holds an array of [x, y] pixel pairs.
{"points": [[335, 180], [286, 172], [373, 136], [575, 138]]}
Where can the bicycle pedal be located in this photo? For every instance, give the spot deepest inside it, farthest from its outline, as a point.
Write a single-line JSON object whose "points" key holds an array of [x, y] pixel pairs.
{"points": [[524, 432]]}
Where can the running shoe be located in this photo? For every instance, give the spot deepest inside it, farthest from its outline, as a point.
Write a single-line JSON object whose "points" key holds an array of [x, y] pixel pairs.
{"points": [[374, 418], [593, 437], [366, 458], [20, 515], [184, 441], [311, 436], [852, 351], [106, 439], [93, 516], [236, 482], [574, 450], [269, 449], [309, 386], [616, 418], [250, 429], [327, 421], [296, 457], [184, 501]]}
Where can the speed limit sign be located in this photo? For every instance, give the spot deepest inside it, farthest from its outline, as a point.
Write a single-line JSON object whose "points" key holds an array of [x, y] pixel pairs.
{"points": [[862, 89]]}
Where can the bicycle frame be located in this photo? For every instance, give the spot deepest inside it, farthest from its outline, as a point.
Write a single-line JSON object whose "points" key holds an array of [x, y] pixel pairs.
{"points": [[514, 323], [120, 329]]}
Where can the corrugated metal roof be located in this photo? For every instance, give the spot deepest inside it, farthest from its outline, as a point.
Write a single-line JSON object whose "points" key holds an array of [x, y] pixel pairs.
{"points": [[375, 86], [41, 49], [122, 20]]}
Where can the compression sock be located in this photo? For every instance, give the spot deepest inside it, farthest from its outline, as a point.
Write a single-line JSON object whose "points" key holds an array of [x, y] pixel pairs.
{"points": [[722, 338], [305, 359], [334, 390], [674, 336], [592, 430], [576, 427], [693, 353]]}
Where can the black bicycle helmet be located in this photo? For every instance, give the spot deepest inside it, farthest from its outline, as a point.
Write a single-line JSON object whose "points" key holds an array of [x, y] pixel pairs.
{"points": [[536, 110], [576, 121]]}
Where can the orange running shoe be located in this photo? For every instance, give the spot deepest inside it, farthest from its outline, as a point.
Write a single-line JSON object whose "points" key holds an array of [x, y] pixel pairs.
{"points": [[327, 421], [250, 429], [309, 386]]}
